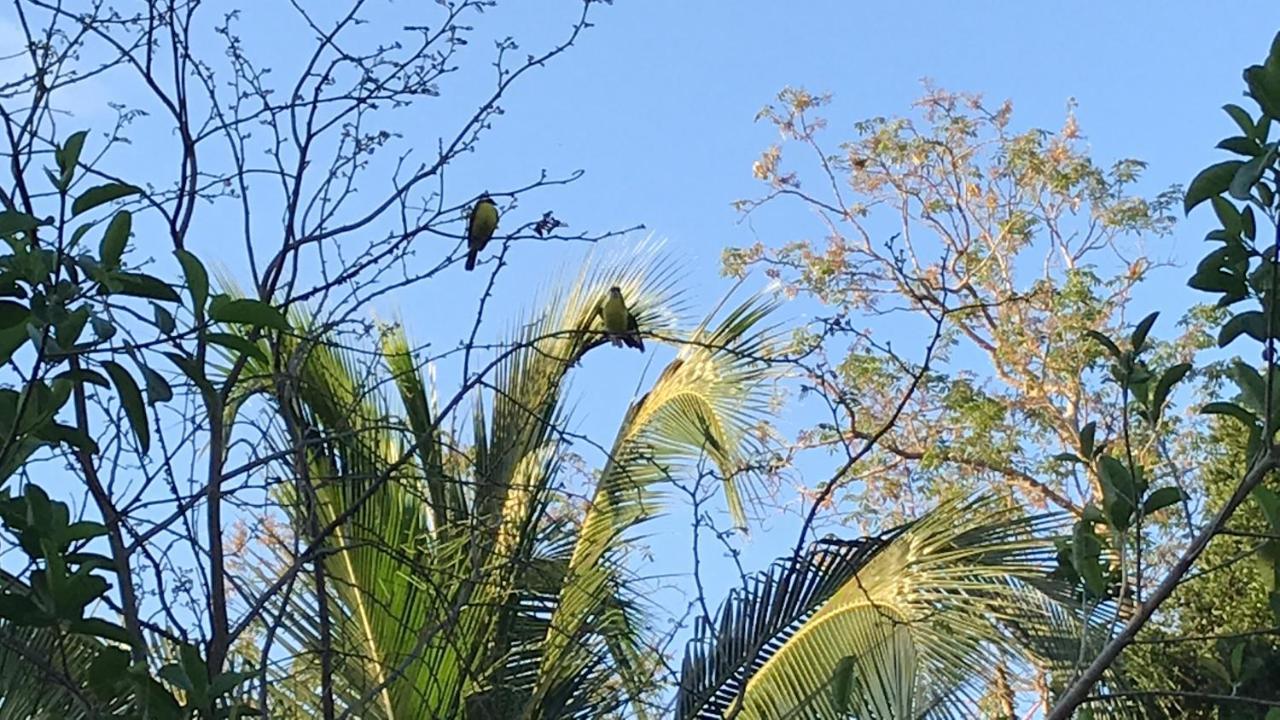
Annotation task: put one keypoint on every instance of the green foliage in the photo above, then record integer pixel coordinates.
(55, 287)
(1217, 635)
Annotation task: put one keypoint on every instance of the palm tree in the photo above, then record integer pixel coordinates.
(449, 588)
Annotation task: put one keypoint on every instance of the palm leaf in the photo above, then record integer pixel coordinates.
(768, 610)
(911, 630)
(703, 406)
(42, 674)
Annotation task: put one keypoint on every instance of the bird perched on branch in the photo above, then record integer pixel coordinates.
(619, 324)
(480, 227)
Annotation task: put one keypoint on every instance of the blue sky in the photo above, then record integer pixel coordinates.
(656, 104)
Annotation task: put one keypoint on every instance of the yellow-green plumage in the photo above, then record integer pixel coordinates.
(619, 324)
(484, 220)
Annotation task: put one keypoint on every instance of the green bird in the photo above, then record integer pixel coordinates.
(480, 227)
(619, 324)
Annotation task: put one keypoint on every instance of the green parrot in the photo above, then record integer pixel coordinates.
(480, 227)
(619, 324)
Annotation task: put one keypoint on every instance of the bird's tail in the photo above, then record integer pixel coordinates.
(471, 261)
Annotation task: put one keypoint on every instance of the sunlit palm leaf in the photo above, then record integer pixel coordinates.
(912, 633)
(756, 619)
(702, 406)
(446, 498)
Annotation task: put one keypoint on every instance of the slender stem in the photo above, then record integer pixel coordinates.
(110, 518)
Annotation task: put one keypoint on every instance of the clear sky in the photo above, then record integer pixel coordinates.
(656, 104)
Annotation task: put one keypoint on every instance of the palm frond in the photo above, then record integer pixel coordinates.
(42, 673)
(757, 619)
(446, 498)
(702, 406)
(911, 631)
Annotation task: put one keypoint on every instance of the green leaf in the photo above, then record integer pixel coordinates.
(191, 369)
(249, 312)
(1087, 438)
(195, 668)
(197, 280)
(107, 670)
(1085, 550)
(12, 222)
(163, 319)
(1168, 379)
(1118, 484)
(1215, 280)
(1241, 145)
(1251, 322)
(144, 286)
(84, 376)
(73, 436)
(1215, 666)
(131, 399)
(228, 681)
(1253, 389)
(12, 314)
(1106, 342)
(173, 674)
(100, 194)
(103, 328)
(1069, 457)
(1248, 175)
(1162, 498)
(98, 627)
(69, 330)
(20, 610)
(1269, 501)
(72, 596)
(842, 685)
(114, 239)
(1232, 410)
(1227, 214)
(158, 703)
(68, 155)
(1248, 225)
(239, 344)
(1242, 117)
(1143, 329)
(1213, 180)
(1261, 81)
(158, 389)
(83, 530)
